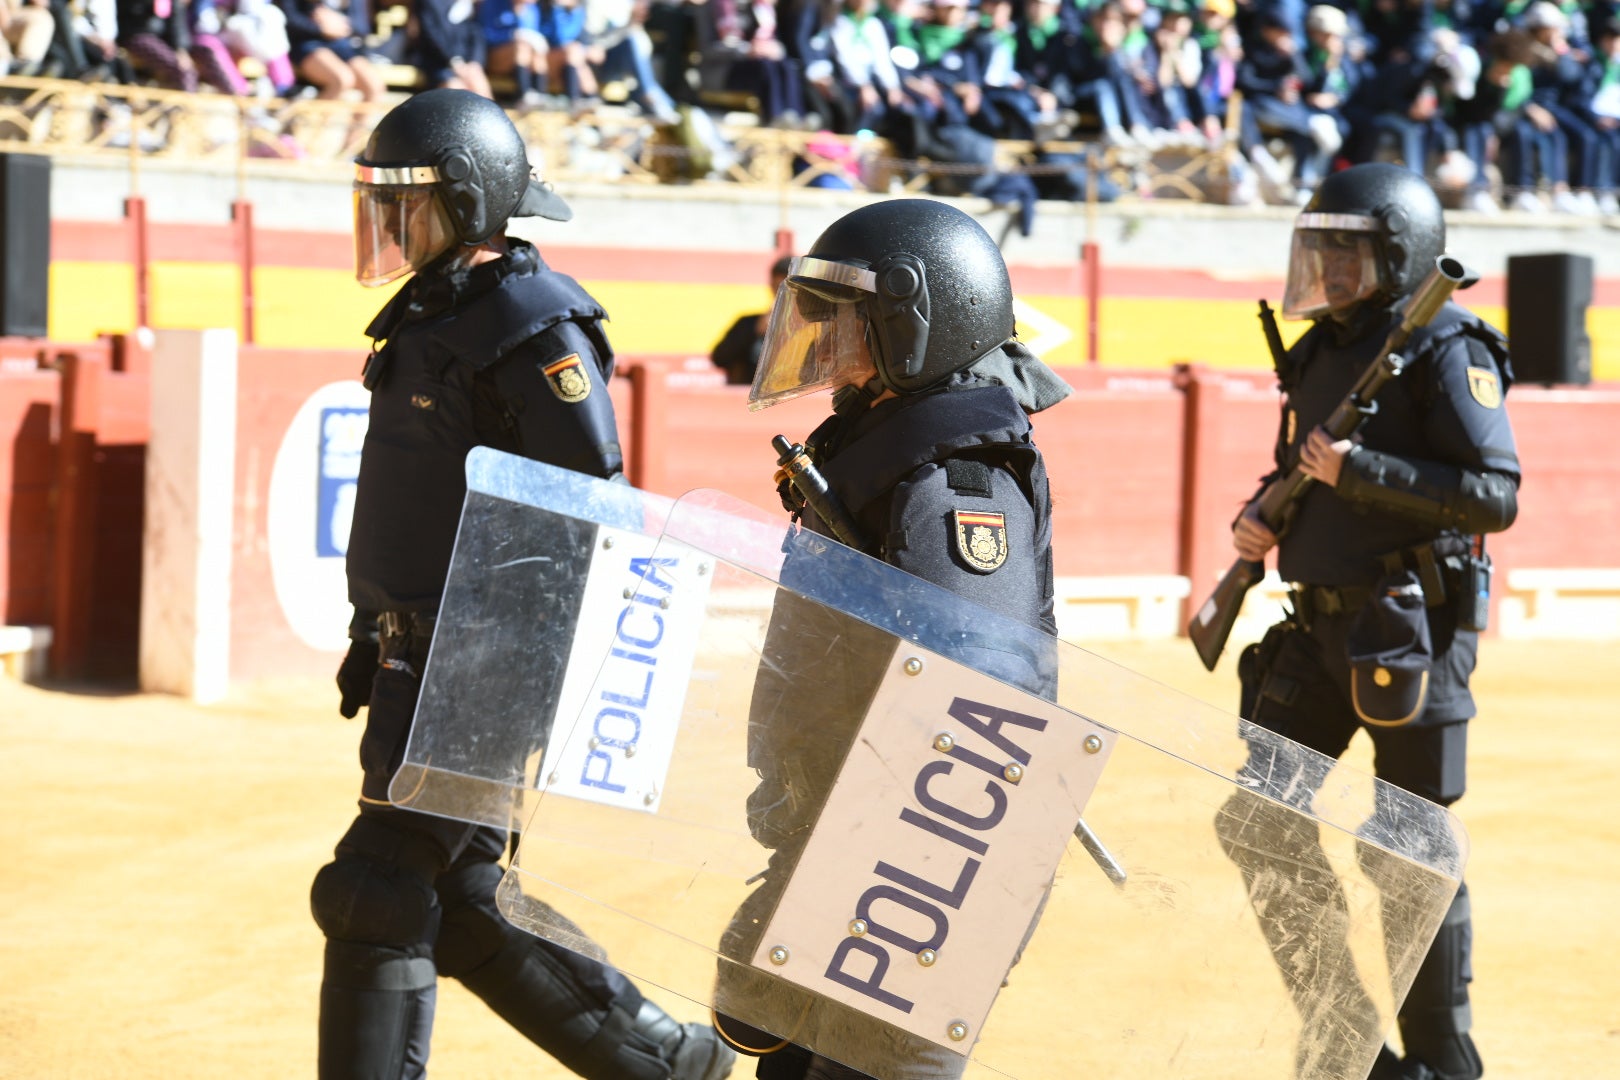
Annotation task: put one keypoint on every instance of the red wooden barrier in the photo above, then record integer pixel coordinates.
(28, 399)
(1147, 471)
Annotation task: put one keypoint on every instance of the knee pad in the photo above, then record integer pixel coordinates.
(358, 900)
(1438, 1000)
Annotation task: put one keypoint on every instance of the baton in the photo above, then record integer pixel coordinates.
(1104, 858)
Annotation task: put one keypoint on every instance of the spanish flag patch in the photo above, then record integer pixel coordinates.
(981, 539)
(568, 379)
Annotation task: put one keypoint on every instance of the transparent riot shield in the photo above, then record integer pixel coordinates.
(926, 841)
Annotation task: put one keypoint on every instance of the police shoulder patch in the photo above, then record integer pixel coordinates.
(568, 379)
(1485, 387)
(981, 539)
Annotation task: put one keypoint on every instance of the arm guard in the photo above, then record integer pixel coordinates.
(1429, 492)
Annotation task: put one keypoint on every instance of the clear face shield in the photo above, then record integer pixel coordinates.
(1334, 265)
(400, 224)
(817, 334)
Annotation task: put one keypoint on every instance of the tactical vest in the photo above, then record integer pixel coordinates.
(424, 421)
(866, 467)
(1332, 542)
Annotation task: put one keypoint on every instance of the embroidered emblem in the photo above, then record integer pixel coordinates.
(568, 379)
(981, 539)
(424, 401)
(1483, 384)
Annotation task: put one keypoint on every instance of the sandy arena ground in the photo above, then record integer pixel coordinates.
(157, 858)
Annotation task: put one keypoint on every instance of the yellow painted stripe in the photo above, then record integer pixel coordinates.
(327, 309)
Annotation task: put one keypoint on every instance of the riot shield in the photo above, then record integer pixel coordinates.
(926, 841)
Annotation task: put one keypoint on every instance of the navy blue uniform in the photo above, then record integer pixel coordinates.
(1433, 468)
(509, 354)
(949, 486)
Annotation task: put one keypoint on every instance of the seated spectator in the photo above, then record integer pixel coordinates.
(1487, 118)
(85, 45)
(517, 49)
(1014, 108)
(947, 62)
(1180, 66)
(1600, 105)
(568, 64)
(751, 58)
(1534, 148)
(851, 79)
(328, 47)
(1057, 53)
(737, 351)
(1222, 52)
(1333, 75)
(26, 29)
(1108, 78)
(621, 52)
(1272, 77)
(216, 66)
(157, 36)
(257, 30)
(1557, 92)
(449, 46)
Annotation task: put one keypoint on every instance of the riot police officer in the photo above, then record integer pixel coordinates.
(484, 346)
(1384, 554)
(903, 308)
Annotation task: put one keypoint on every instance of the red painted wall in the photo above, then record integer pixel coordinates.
(1147, 471)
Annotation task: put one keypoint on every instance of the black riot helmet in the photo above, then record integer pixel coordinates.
(442, 168)
(906, 291)
(1370, 233)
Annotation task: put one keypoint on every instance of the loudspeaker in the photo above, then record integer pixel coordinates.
(1547, 297)
(25, 244)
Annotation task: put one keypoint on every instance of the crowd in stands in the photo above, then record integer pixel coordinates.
(1513, 102)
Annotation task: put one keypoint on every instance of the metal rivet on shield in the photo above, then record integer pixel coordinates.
(927, 957)
(650, 798)
(1014, 772)
(913, 666)
(607, 541)
(779, 955)
(857, 927)
(943, 742)
(595, 743)
(628, 593)
(957, 1031)
(552, 779)
(1093, 744)
(703, 568)
(664, 603)
(630, 751)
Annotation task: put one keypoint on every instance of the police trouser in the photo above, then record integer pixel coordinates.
(1296, 683)
(411, 896)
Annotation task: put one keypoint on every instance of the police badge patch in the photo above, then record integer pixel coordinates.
(1483, 384)
(568, 379)
(981, 539)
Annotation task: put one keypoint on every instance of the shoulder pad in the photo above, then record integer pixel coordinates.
(505, 317)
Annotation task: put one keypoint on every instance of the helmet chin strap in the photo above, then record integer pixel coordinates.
(854, 398)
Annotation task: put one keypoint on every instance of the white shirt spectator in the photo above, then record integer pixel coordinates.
(862, 51)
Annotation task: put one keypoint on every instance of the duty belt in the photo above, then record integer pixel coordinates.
(1310, 600)
(399, 624)
(405, 636)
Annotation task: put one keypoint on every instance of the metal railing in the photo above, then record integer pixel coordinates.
(601, 144)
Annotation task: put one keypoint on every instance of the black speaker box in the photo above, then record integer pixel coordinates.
(25, 244)
(1547, 298)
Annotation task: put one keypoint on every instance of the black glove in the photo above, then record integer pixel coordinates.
(355, 676)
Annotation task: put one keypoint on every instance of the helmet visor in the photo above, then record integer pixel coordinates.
(1334, 264)
(398, 228)
(816, 339)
